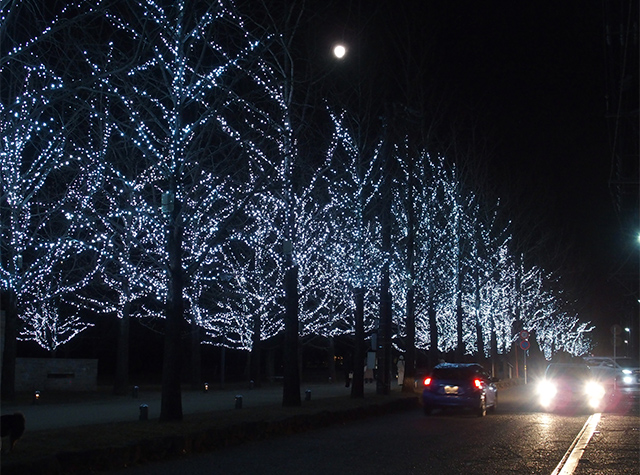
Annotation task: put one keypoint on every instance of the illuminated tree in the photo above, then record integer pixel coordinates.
(280, 81)
(45, 323)
(256, 270)
(488, 258)
(421, 274)
(40, 175)
(455, 230)
(179, 106)
(130, 274)
(354, 248)
(547, 314)
(293, 132)
(407, 207)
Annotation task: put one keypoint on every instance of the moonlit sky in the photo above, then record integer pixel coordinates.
(532, 77)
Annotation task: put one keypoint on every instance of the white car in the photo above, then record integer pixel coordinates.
(621, 375)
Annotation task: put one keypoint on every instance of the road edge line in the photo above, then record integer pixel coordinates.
(569, 461)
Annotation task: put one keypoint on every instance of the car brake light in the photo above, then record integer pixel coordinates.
(477, 383)
(427, 381)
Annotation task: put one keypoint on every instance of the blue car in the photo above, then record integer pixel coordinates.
(459, 385)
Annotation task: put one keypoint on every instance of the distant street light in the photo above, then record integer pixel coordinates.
(628, 340)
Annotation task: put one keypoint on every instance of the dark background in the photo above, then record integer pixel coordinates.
(537, 84)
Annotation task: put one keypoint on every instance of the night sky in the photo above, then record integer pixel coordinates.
(531, 75)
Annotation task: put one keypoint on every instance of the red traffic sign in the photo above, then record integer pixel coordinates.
(524, 335)
(525, 345)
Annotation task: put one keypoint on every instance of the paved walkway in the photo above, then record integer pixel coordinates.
(49, 415)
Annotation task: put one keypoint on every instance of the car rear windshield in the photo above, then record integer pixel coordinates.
(454, 373)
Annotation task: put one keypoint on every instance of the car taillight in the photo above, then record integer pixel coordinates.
(477, 383)
(427, 381)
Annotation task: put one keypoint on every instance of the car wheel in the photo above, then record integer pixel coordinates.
(482, 410)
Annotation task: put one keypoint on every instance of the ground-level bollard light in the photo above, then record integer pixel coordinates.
(206, 387)
(307, 395)
(239, 401)
(144, 412)
(135, 391)
(36, 397)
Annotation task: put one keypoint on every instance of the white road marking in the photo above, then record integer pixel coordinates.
(569, 462)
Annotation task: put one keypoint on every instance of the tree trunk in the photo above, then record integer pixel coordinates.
(410, 323)
(3, 321)
(121, 383)
(10, 348)
(410, 359)
(256, 347)
(494, 349)
(357, 384)
(171, 403)
(384, 338)
(479, 334)
(459, 329)
(383, 380)
(434, 355)
(196, 356)
(383, 385)
(223, 365)
(271, 365)
(291, 383)
(331, 359)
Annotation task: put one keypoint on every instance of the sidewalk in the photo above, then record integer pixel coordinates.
(109, 408)
(104, 432)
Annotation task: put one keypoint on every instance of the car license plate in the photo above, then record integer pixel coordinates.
(451, 389)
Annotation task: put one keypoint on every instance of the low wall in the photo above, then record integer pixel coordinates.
(62, 374)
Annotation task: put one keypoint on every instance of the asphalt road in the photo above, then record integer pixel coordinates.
(516, 439)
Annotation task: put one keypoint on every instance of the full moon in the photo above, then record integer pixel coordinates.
(339, 51)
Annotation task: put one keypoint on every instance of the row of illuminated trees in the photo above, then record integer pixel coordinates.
(169, 164)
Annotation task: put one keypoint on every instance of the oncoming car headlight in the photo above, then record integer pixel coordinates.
(547, 388)
(546, 392)
(627, 377)
(594, 393)
(594, 390)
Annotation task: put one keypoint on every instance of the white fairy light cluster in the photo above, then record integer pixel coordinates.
(43, 248)
(174, 157)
